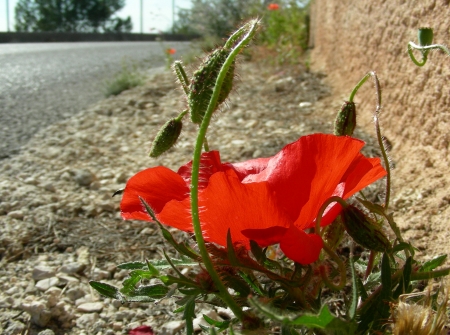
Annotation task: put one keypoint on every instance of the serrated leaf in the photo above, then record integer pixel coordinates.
(106, 290)
(149, 210)
(156, 291)
(132, 266)
(163, 264)
(140, 298)
(180, 247)
(433, 263)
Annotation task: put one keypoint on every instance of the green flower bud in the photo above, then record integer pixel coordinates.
(166, 137)
(425, 36)
(203, 82)
(345, 122)
(363, 230)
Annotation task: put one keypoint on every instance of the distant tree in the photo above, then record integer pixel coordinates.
(71, 16)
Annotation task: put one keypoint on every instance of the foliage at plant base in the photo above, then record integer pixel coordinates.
(278, 239)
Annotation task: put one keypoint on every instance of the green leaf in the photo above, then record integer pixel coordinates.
(180, 247)
(107, 290)
(354, 303)
(230, 250)
(257, 252)
(374, 208)
(403, 286)
(156, 291)
(402, 246)
(169, 280)
(189, 315)
(132, 266)
(222, 325)
(433, 263)
(163, 264)
(386, 279)
(288, 330)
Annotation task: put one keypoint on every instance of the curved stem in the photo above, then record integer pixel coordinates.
(224, 294)
(341, 269)
(324, 207)
(425, 50)
(357, 87)
(380, 140)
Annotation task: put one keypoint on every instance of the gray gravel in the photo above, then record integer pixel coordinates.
(41, 83)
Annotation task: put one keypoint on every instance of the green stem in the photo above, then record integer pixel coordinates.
(430, 275)
(322, 210)
(341, 269)
(224, 294)
(425, 50)
(380, 140)
(357, 87)
(206, 145)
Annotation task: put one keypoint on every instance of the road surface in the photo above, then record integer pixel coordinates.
(41, 83)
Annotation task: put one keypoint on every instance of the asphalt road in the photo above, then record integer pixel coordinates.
(41, 83)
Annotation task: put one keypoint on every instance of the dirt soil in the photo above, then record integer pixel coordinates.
(56, 205)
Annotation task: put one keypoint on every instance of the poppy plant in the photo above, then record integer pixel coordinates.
(269, 200)
(170, 51)
(273, 6)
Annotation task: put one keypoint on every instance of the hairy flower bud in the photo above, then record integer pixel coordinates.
(203, 82)
(425, 36)
(363, 230)
(345, 122)
(166, 137)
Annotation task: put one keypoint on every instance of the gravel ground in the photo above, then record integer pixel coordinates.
(61, 228)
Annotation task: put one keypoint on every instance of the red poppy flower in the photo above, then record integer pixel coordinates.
(141, 330)
(268, 200)
(170, 51)
(273, 6)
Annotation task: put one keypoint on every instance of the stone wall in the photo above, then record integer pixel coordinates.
(350, 38)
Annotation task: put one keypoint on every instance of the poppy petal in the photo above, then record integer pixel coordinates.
(301, 247)
(265, 237)
(156, 186)
(209, 164)
(305, 173)
(225, 204)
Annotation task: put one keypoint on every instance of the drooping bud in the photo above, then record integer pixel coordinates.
(203, 82)
(425, 36)
(345, 122)
(363, 230)
(333, 233)
(167, 136)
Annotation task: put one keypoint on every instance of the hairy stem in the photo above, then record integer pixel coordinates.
(223, 291)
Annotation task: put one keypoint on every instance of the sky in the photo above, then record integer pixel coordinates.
(157, 14)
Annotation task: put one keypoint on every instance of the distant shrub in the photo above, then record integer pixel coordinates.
(127, 78)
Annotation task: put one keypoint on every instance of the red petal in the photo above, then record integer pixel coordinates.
(305, 173)
(156, 186)
(301, 247)
(253, 166)
(228, 204)
(265, 237)
(141, 330)
(209, 164)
